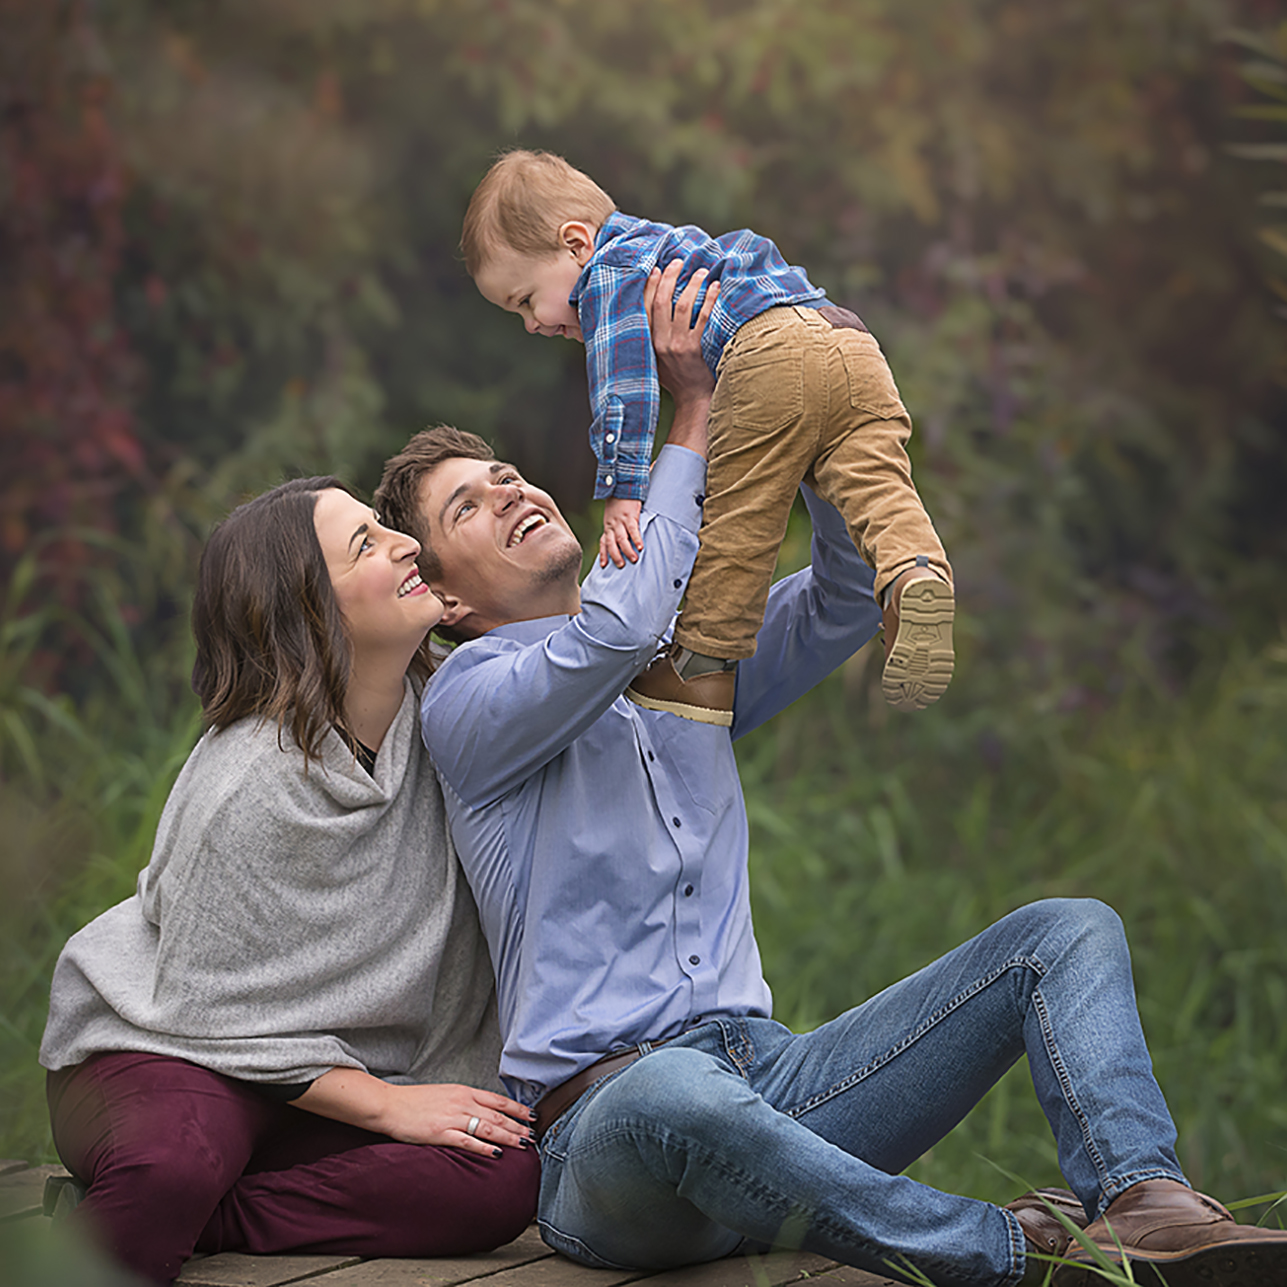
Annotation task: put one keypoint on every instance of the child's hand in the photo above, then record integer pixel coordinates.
(620, 539)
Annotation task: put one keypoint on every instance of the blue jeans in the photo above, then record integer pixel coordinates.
(740, 1129)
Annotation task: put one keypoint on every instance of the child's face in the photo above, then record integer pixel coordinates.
(536, 287)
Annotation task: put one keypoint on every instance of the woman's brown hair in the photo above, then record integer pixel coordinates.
(270, 637)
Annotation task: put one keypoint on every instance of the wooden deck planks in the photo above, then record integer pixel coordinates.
(525, 1262)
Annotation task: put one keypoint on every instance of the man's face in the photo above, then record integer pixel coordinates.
(536, 288)
(506, 552)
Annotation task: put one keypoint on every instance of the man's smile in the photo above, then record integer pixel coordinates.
(525, 525)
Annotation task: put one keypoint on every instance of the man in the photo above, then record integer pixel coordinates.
(606, 846)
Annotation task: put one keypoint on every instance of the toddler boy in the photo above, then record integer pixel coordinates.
(802, 394)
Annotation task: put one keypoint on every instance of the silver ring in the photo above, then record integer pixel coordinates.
(474, 1124)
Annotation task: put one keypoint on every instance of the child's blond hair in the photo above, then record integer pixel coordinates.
(522, 202)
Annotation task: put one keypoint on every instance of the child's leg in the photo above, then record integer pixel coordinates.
(863, 469)
(764, 435)
(862, 466)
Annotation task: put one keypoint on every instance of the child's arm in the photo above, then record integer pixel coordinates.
(620, 539)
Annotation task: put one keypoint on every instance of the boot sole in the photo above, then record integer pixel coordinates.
(702, 714)
(1235, 1264)
(920, 664)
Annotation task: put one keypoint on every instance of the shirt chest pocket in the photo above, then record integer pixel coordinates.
(693, 762)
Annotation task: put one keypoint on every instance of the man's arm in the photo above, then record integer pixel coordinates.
(815, 621)
(496, 712)
(491, 718)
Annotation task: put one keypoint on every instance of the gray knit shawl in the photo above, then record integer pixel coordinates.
(289, 923)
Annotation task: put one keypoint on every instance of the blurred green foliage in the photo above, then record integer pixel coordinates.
(228, 253)
(1033, 205)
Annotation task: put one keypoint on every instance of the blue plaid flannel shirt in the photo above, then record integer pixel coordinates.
(624, 394)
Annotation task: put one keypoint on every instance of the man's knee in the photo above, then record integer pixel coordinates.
(683, 1091)
(1081, 917)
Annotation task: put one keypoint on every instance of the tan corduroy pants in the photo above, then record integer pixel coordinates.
(799, 399)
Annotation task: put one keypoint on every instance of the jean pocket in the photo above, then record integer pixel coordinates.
(766, 393)
(871, 382)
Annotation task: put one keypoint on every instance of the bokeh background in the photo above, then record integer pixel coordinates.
(228, 255)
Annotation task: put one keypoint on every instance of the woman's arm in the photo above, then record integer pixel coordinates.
(437, 1114)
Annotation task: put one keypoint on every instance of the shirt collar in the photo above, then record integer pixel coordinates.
(613, 226)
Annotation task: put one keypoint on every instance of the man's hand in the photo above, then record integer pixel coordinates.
(621, 539)
(680, 365)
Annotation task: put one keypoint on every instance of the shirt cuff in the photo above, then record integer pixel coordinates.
(677, 487)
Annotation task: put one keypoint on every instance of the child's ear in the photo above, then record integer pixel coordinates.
(579, 238)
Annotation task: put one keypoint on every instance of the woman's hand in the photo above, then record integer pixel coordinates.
(436, 1114)
(678, 340)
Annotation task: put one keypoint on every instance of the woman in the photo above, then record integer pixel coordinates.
(275, 1044)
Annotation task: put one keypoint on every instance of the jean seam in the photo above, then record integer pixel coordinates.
(1051, 1047)
(1018, 1247)
(585, 1249)
(876, 1064)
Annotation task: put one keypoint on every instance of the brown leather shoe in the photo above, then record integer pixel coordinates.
(1043, 1232)
(918, 641)
(708, 698)
(1174, 1236)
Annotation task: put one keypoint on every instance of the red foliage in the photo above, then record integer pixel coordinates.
(67, 374)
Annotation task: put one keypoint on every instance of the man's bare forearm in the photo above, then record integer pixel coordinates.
(689, 428)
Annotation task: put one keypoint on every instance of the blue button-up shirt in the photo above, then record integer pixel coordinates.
(606, 844)
(619, 357)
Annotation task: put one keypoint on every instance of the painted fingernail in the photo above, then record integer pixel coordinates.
(496, 1152)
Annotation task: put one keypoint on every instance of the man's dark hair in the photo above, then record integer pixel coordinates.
(397, 499)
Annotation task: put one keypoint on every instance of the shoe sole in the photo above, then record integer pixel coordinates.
(1235, 1264)
(702, 714)
(920, 664)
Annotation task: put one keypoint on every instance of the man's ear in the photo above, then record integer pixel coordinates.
(579, 238)
(453, 610)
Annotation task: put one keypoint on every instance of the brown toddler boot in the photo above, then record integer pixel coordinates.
(1175, 1236)
(706, 698)
(918, 611)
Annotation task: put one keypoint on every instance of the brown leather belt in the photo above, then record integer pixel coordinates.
(553, 1104)
(841, 317)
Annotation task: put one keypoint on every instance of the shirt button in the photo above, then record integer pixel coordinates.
(677, 822)
(612, 437)
(607, 480)
(678, 584)
(688, 891)
(651, 756)
(701, 500)
(694, 960)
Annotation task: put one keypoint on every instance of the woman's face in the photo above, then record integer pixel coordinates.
(373, 572)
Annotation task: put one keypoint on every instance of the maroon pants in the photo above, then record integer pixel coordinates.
(179, 1159)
